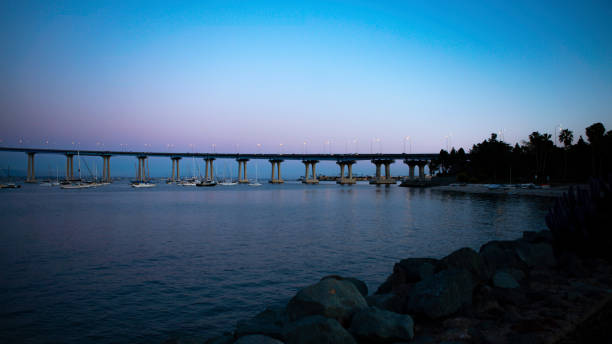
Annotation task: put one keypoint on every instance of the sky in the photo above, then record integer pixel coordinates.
(314, 76)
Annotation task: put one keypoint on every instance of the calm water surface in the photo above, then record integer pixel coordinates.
(115, 264)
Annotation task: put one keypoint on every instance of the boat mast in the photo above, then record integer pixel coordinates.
(79, 159)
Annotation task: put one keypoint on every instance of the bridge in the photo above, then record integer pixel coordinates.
(344, 161)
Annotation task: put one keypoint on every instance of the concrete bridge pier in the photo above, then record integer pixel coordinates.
(411, 164)
(349, 166)
(422, 165)
(31, 174)
(143, 171)
(242, 172)
(209, 164)
(386, 179)
(69, 166)
(276, 163)
(176, 173)
(106, 169)
(307, 164)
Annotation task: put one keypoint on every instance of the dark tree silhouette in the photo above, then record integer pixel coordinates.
(541, 146)
(595, 134)
(495, 160)
(566, 137)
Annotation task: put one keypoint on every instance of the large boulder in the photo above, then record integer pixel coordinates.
(442, 294)
(538, 237)
(374, 325)
(538, 255)
(225, 339)
(332, 298)
(468, 259)
(390, 302)
(360, 285)
(498, 255)
(502, 279)
(257, 339)
(409, 270)
(317, 329)
(270, 322)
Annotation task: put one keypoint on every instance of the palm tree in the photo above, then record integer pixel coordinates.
(540, 145)
(566, 137)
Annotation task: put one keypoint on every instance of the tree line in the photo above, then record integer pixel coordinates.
(536, 160)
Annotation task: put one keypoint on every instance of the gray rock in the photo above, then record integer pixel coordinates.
(360, 285)
(417, 269)
(410, 270)
(502, 279)
(424, 339)
(538, 237)
(536, 255)
(270, 322)
(518, 274)
(332, 298)
(513, 297)
(257, 339)
(375, 325)
(468, 259)
(498, 255)
(317, 329)
(442, 294)
(386, 287)
(390, 302)
(226, 339)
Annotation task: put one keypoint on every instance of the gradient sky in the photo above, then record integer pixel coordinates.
(247, 72)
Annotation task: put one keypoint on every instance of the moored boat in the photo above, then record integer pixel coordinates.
(207, 183)
(142, 185)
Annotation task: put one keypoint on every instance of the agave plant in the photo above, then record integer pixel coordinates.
(581, 220)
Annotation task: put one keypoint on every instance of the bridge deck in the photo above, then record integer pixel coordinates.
(338, 157)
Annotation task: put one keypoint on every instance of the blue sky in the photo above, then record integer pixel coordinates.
(237, 73)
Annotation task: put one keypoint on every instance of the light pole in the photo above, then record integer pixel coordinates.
(304, 147)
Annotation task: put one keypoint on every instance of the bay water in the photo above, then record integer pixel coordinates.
(117, 264)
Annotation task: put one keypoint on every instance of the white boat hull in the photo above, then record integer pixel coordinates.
(143, 185)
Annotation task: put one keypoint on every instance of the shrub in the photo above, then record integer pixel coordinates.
(581, 221)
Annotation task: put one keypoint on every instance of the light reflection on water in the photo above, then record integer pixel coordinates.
(115, 264)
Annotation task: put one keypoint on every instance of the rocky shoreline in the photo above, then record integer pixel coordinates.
(509, 292)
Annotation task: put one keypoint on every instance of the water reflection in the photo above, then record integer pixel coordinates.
(141, 264)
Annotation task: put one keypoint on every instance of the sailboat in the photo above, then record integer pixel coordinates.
(47, 182)
(227, 182)
(9, 185)
(79, 184)
(255, 182)
(57, 181)
(144, 183)
(191, 181)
